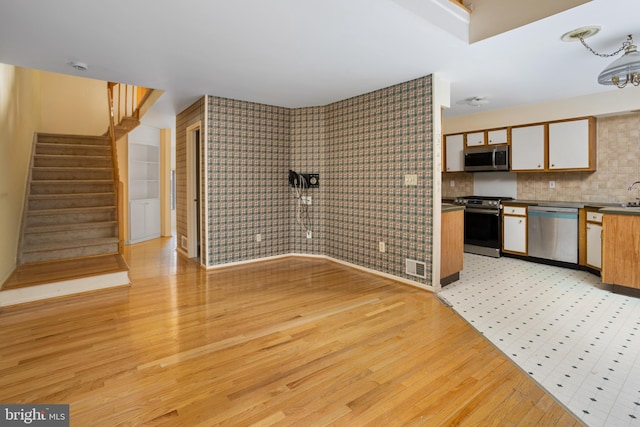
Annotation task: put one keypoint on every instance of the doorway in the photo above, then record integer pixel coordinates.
(193, 191)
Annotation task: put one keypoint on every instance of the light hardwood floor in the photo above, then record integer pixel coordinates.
(296, 341)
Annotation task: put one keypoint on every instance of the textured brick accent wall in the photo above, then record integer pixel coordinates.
(618, 146)
(361, 147)
(308, 135)
(248, 157)
(373, 140)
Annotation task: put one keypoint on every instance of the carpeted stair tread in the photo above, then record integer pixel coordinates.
(69, 195)
(70, 244)
(69, 210)
(63, 227)
(52, 138)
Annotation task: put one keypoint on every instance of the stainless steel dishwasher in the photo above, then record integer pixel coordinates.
(553, 233)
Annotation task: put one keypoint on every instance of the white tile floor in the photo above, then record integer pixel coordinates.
(576, 339)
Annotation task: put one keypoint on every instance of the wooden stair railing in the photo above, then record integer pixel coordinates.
(117, 187)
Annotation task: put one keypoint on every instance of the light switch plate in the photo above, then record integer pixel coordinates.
(411, 180)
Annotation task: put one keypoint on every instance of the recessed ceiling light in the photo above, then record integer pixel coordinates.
(80, 66)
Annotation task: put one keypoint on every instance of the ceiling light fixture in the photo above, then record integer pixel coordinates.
(475, 101)
(80, 66)
(620, 72)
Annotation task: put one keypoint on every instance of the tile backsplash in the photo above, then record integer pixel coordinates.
(618, 151)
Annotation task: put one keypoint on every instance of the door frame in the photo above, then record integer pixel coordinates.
(192, 214)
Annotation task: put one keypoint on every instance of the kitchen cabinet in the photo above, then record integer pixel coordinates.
(144, 192)
(144, 220)
(475, 139)
(621, 249)
(451, 244)
(566, 145)
(528, 148)
(497, 136)
(453, 154)
(594, 239)
(572, 145)
(514, 229)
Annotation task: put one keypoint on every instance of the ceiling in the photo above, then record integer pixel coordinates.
(296, 53)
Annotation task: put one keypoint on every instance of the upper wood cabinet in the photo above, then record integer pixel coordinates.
(453, 153)
(572, 145)
(475, 139)
(497, 136)
(528, 148)
(564, 145)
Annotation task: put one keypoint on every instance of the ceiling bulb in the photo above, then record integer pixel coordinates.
(620, 72)
(80, 66)
(476, 101)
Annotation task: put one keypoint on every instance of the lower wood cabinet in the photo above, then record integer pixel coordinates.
(451, 245)
(621, 250)
(514, 229)
(593, 236)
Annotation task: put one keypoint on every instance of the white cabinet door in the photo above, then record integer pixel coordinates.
(594, 245)
(475, 139)
(497, 136)
(569, 145)
(453, 145)
(144, 220)
(527, 148)
(514, 234)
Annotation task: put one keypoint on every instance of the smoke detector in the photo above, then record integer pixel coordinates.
(80, 66)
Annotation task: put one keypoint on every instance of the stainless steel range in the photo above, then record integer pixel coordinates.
(482, 224)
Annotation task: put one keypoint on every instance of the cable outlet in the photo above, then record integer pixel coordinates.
(552, 184)
(382, 247)
(309, 234)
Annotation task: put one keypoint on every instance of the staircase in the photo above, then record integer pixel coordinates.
(71, 207)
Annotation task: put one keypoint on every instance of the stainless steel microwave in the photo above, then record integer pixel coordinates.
(486, 159)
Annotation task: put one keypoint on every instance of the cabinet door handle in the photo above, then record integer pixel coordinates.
(520, 222)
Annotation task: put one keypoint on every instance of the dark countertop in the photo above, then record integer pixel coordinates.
(448, 207)
(605, 208)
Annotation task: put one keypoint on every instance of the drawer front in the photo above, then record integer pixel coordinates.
(515, 210)
(594, 217)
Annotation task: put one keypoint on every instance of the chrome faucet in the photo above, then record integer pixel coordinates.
(632, 184)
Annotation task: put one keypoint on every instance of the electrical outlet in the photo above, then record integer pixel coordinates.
(309, 234)
(411, 180)
(305, 200)
(452, 183)
(258, 237)
(552, 184)
(382, 247)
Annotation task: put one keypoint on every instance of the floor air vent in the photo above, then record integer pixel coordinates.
(416, 268)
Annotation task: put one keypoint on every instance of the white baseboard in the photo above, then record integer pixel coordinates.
(328, 258)
(63, 288)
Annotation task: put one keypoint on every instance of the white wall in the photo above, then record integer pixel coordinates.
(612, 101)
(73, 105)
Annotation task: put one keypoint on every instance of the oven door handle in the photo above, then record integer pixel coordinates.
(483, 211)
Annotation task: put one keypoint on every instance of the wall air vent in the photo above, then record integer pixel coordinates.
(184, 242)
(416, 268)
